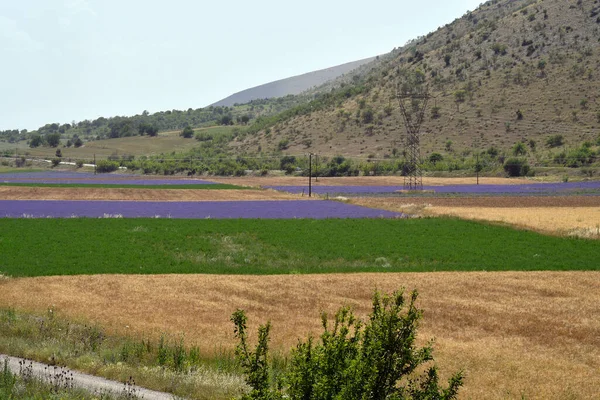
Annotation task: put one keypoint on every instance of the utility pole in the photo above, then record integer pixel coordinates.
(94, 163)
(418, 103)
(309, 174)
(477, 168)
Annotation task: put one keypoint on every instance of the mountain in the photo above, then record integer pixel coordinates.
(510, 71)
(294, 85)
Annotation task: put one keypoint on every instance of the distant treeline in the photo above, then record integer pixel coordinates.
(152, 124)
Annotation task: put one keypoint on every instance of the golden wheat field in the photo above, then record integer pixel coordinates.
(530, 334)
(559, 215)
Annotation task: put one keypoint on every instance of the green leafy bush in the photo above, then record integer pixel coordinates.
(376, 359)
(516, 167)
(106, 166)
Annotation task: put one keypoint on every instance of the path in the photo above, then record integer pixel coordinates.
(88, 382)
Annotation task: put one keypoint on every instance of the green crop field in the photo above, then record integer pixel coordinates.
(210, 186)
(35, 247)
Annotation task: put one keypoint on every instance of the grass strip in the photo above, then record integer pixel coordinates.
(167, 364)
(209, 186)
(39, 247)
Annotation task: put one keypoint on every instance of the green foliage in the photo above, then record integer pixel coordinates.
(187, 132)
(499, 49)
(519, 149)
(103, 166)
(578, 157)
(367, 116)
(283, 144)
(53, 139)
(78, 142)
(435, 158)
(35, 141)
(376, 359)
(555, 141)
(516, 167)
(55, 162)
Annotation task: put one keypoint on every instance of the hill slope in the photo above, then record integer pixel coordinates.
(294, 85)
(510, 71)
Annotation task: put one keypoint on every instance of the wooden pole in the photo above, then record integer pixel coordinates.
(309, 174)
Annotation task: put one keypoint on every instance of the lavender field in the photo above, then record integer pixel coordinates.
(54, 177)
(286, 209)
(589, 187)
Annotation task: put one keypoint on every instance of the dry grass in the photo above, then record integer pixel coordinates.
(561, 215)
(535, 334)
(360, 181)
(580, 221)
(492, 202)
(49, 193)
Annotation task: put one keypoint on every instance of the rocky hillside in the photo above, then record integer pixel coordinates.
(294, 85)
(510, 71)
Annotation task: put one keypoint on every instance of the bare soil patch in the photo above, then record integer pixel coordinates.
(50, 193)
(359, 181)
(530, 334)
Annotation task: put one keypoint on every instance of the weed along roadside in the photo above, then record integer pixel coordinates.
(62, 379)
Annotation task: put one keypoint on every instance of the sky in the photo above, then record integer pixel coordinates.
(71, 60)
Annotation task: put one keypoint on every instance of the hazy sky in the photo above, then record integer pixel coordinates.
(64, 60)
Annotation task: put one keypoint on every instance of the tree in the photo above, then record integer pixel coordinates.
(53, 139)
(245, 119)
(152, 130)
(78, 142)
(516, 167)
(35, 141)
(58, 153)
(447, 58)
(435, 158)
(376, 359)
(187, 132)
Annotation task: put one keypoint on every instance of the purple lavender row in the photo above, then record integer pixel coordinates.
(50, 177)
(104, 181)
(54, 175)
(528, 188)
(276, 209)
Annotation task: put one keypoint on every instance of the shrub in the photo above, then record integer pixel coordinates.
(55, 161)
(106, 166)
(283, 144)
(79, 163)
(435, 157)
(519, 149)
(376, 359)
(187, 132)
(516, 167)
(555, 141)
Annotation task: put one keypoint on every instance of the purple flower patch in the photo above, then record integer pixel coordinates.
(282, 209)
(87, 178)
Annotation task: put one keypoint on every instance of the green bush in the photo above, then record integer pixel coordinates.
(555, 141)
(106, 166)
(376, 359)
(516, 167)
(55, 162)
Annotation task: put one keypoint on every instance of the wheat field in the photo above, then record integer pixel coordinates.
(515, 334)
